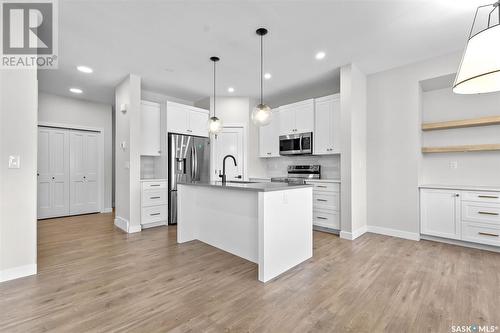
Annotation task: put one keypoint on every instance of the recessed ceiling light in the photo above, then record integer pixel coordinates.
(267, 76)
(85, 69)
(230, 89)
(76, 90)
(320, 55)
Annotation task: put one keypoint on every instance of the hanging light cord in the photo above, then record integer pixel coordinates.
(495, 5)
(261, 70)
(214, 88)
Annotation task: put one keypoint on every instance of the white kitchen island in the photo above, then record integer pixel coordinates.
(266, 223)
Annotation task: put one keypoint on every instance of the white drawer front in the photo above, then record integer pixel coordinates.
(481, 212)
(492, 197)
(326, 219)
(154, 214)
(325, 187)
(154, 197)
(480, 233)
(154, 185)
(326, 200)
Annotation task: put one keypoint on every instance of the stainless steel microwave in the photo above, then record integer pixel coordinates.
(296, 144)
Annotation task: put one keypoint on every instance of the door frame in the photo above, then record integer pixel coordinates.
(99, 130)
(245, 150)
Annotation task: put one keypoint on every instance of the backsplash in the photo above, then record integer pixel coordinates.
(330, 165)
(147, 167)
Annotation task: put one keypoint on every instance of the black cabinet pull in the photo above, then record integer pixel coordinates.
(154, 214)
(154, 197)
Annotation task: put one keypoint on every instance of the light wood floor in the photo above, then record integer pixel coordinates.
(94, 278)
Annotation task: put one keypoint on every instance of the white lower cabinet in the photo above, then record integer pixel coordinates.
(472, 216)
(326, 204)
(154, 199)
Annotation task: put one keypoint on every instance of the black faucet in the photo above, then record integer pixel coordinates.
(223, 176)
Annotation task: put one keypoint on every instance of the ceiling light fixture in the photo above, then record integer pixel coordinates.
(320, 55)
(230, 89)
(479, 71)
(214, 123)
(261, 114)
(267, 76)
(76, 90)
(85, 69)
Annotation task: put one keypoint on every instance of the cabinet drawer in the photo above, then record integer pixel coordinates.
(154, 185)
(325, 187)
(326, 200)
(480, 233)
(326, 219)
(154, 197)
(154, 214)
(492, 197)
(481, 212)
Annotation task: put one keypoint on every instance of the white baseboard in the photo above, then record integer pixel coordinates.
(17, 272)
(124, 225)
(353, 235)
(394, 232)
(461, 243)
(107, 210)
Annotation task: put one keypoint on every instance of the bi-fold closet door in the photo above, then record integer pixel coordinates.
(68, 172)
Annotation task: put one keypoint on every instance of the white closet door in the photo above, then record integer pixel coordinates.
(84, 170)
(53, 172)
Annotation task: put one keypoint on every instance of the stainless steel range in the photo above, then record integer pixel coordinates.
(298, 174)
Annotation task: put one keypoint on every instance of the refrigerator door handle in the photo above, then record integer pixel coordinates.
(196, 171)
(193, 163)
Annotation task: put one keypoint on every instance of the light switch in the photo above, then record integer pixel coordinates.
(14, 162)
(453, 165)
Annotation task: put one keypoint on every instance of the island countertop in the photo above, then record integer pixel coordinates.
(248, 186)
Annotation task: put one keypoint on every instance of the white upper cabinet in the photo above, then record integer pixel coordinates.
(297, 118)
(185, 119)
(269, 137)
(327, 125)
(150, 129)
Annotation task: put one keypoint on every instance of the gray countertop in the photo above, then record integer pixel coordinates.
(257, 187)
(461, 187)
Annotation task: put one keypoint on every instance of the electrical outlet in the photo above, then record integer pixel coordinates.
(14, 162)
(453, 165)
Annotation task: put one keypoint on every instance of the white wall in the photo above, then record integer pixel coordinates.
(354, 150)
(394, 140)
(18, 187)
(478, 168)
(127, 160)
(71, 111)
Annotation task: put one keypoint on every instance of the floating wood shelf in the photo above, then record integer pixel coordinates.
(483, 121)
(465, 148)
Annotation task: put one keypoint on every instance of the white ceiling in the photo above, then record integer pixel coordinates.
(168, 43)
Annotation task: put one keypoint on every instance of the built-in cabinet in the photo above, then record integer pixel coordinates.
(320, 116)
(326, 125)
(296, 118)
(188, 120)
(472, 216)
(154, 199)
(69, 172)
(150, 129)
(326, 204)
(269, 138)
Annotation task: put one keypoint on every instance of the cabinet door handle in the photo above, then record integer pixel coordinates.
(154, 185)
(321, 218)
(154, 197)
(322, 186)
(321, 200)
(154, 214)
(488, 234)
(487, 213)
(488, 196)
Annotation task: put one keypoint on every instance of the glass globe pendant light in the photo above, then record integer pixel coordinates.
(214, 123)
(479, 71)
(261, 114)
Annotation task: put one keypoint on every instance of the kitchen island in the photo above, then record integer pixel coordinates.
(266, 223)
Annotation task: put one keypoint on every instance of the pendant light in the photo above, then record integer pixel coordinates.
(479, 71)
(214, 123)
(261, 114)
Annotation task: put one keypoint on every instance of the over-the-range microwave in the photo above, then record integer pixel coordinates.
(296, 144)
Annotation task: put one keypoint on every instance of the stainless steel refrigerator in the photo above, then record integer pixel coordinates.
(188, 160)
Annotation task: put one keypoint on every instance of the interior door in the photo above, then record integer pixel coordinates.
(53, 172)
(229, 142)
(84, 171)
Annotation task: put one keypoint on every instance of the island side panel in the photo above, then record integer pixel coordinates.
(285, 230)
(221, 217)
